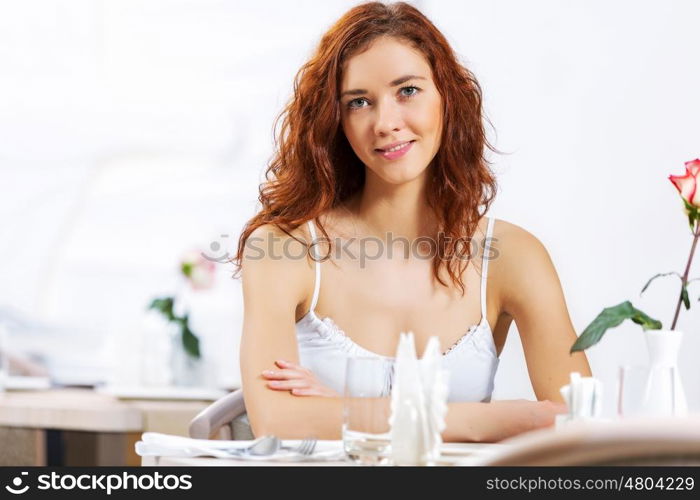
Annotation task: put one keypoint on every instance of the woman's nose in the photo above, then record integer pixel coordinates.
(388, 118)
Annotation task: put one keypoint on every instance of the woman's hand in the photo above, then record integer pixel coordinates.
(544, 412)
(498, 420)
(296, 379)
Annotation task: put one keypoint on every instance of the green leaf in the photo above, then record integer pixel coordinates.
(611, 317)
(686, 299)
(189, 340)
(658, 276)
(165, 306)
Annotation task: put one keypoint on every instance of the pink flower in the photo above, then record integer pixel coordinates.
(687, 184)
(198, 270)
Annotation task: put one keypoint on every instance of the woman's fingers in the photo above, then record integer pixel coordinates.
(287, 371)
(290, 366)
(306, 392)
(296, 379)
(285, 385)
(283, 374)
(315, 391)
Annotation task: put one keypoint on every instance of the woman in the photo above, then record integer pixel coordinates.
(383, 145)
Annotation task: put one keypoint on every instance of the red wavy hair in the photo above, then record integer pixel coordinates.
(314, 168)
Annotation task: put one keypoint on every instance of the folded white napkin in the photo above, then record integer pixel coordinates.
(157, 444)
(418, 403)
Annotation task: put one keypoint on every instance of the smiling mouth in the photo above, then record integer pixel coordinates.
(395, 148)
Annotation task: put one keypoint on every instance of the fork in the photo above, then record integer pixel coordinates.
(307, 447)
(304, 449)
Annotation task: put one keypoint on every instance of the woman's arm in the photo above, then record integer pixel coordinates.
(273, 287)
(300, 417)
(468, 421)
(531, 293)
(275, 276)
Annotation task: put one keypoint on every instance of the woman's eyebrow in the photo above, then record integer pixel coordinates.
(394, 83)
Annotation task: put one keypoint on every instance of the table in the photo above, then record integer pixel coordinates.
(223, 462)
(454, 453)
(644, 440)
(90, 428)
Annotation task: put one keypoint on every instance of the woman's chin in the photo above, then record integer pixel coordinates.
(400, 176)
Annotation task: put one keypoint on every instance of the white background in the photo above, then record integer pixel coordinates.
(131, 131)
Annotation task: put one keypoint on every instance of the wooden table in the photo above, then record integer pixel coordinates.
(89, 427)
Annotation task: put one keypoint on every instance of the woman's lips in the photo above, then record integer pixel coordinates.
(393, 155)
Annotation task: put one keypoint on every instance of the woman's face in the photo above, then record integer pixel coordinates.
(381, 107)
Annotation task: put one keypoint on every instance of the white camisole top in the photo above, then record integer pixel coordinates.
(471, 361)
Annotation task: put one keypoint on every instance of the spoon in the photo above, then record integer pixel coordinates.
(265, 445)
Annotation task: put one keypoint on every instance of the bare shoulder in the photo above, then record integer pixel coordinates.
(520, 262)
(511, 239)
(271, 237)
(275, 262)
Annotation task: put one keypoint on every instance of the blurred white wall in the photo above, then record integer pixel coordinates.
(131, 131)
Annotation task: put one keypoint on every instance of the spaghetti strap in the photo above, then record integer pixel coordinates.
(485, 266)
(317, 284)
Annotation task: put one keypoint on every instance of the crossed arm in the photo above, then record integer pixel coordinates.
(286, 399)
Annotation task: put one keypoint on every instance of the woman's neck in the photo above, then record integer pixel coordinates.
(401, 210)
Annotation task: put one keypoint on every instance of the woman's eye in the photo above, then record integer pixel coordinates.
(350, 103)
(356, 103)
(409, 88)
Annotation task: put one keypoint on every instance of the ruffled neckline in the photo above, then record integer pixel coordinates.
(333, 331)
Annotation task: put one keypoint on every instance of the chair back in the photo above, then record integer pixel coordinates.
(225, 418)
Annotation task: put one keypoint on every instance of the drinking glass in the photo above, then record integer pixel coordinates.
(646, 391)
(366, 410)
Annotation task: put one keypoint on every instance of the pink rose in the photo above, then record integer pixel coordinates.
(687, 184)
(198, 270)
